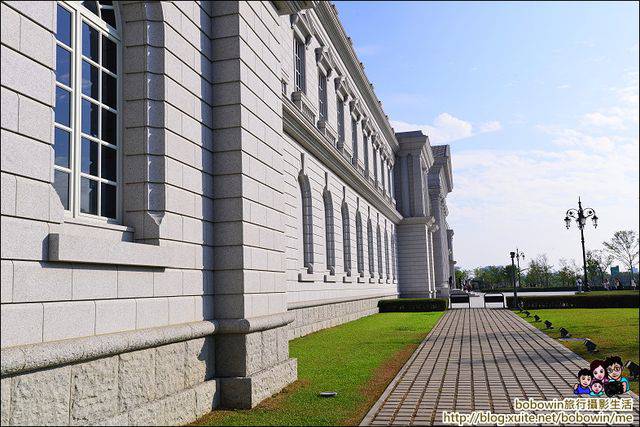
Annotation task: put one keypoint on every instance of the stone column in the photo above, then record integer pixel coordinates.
(414, 266)
(252, 352)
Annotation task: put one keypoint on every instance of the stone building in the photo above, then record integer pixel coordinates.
(186, 186)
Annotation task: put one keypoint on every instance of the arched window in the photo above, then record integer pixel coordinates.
(359, 244)
(393, 254)
(307, 222)
(372, 267)
(386, 254)
(379, 248)
(346, 238)
(87, 143)
(329, 231)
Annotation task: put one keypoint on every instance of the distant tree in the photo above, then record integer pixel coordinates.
(461, 276)
(568, 272)
(598, 263)
(624, 248)
(539, 273)
(492, 276)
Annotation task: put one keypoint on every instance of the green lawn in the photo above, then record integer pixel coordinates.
(357, 360)
(614, 330)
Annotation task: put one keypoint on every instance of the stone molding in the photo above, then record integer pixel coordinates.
(255, 324)
(87, 249)
(31, 357)
(309, 137)
(314, 303)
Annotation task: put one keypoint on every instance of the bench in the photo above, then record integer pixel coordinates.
(459, 297)
(494, 297)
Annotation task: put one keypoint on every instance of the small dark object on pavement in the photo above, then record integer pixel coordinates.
(328, 394)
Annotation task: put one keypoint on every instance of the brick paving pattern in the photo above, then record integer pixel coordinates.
(477, 359)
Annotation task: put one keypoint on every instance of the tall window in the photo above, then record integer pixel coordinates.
(322, 95)
(87, 135)
(307, 222)
(354, 141)
(359, 244)
(365, 154)
(299, 61)
(329, 232)
(340, 109)
(372, 267)
(375, 166)
(393, 254)
(346, 238)
(386, 254)
(379, 247)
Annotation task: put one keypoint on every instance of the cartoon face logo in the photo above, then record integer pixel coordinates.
(598, 370)
(585, 380)
(614, 371)
(597, 387)
(599, 373)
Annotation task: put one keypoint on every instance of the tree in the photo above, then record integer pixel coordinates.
(598, 263)
(568, 272)
(461, 276)
(492, 276)
(624, 247)
(539, 271)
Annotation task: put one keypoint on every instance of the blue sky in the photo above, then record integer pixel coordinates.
(539, 102)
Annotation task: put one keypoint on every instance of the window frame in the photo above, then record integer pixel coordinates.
(79, 15)
(323, 96)
(346, 238)
(354, 141)
(299, 65)
(306, 209)
(359, 244)
(340, 120)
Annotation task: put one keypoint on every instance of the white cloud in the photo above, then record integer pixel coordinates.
(447, 128)
(597, 119)
(489, 127)
(564, 86)
(572, 138)
(503, 199)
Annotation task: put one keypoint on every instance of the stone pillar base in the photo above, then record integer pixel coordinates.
(247, 392)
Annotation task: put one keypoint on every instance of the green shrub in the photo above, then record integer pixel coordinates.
(412, 305)
(551, 289)
(577, 301)
(546, 289)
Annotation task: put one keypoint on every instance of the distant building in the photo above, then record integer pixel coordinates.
(186, 186)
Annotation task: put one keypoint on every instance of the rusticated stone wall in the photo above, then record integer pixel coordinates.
(169, 384)
(324, 314)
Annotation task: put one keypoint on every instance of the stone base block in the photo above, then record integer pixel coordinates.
(247, 392)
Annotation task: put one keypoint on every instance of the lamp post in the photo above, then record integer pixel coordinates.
(513, 279)
(518, 256)
(580, 216)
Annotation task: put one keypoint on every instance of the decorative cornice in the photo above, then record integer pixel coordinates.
(342, 43)
(289, 7)
(313, 141)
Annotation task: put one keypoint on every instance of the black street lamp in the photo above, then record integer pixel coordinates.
(513, 279)
(518, 256)
(580, 216)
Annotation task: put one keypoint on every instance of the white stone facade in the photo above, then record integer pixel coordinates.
(245, 214)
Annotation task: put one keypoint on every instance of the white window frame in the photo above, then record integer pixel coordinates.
(81, 14)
